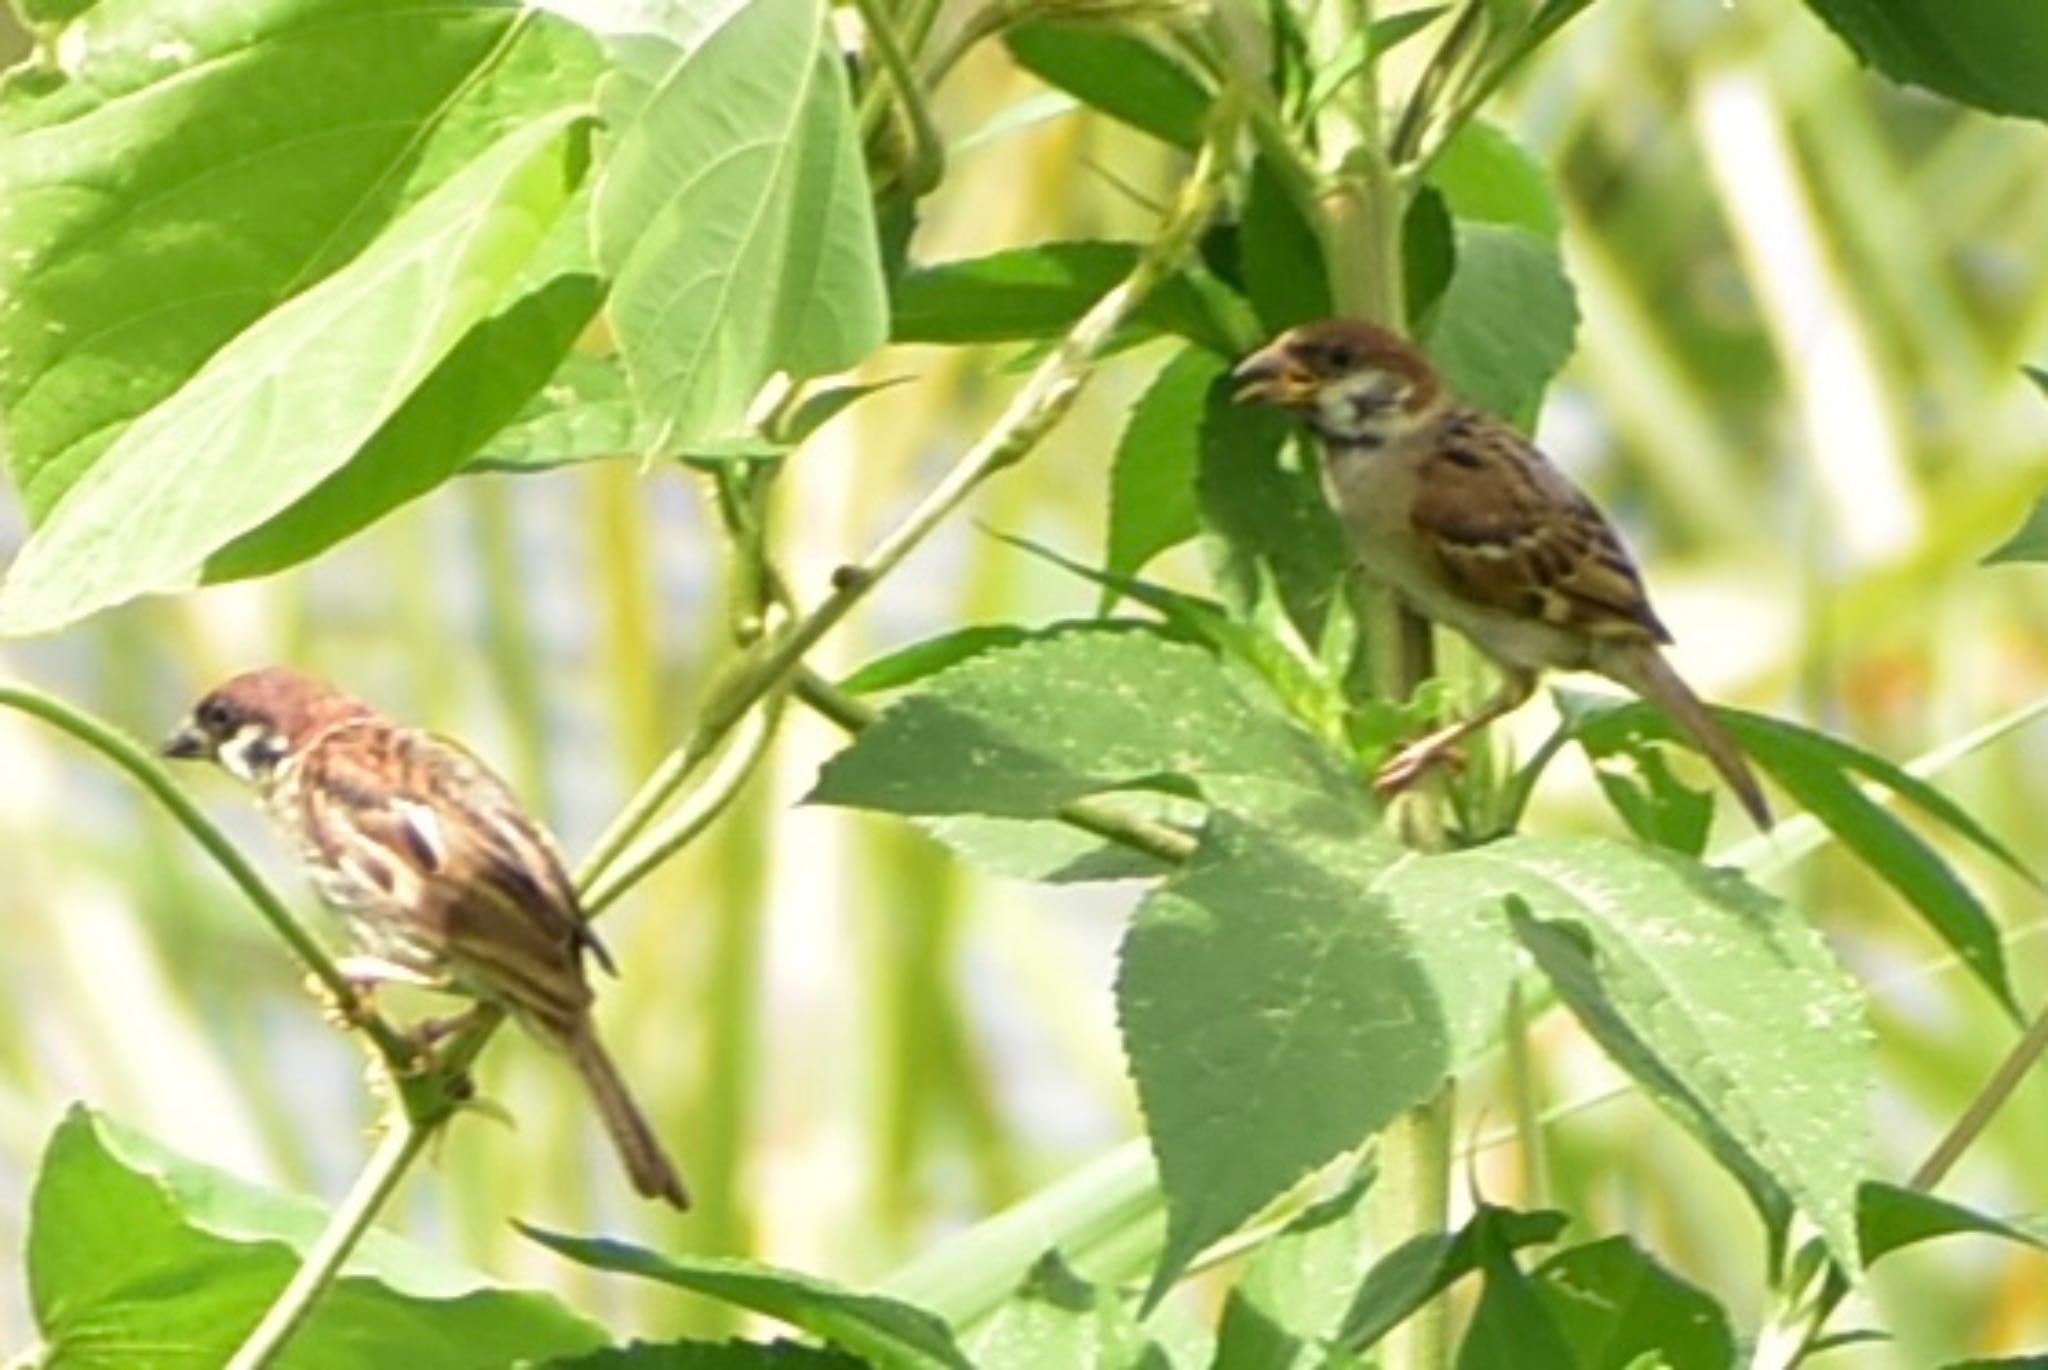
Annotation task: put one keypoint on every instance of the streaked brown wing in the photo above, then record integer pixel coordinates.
(474, 881)
(1510, 532)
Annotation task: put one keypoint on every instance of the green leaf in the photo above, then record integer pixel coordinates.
(584, 412)
(1510, 1329)
(221, 456)
(1891, 1217)
(1486, 177)
(1031, 293)
(1274, 1014)
(1017, 732)
(486, 382)
(1429, 253)
(191, 169)
(1615, 1305)
(1059, 1319)
(1294, 1294)
(704, 1355)
(1724, 1005)
(886, 1331)
(1118, 73)
(735, 219)
(908, 665)
(2028, 543)
(1504, 324)
(1424, 1266)
(1276, 538)
(139, 1259)
(1280, 255)
(1820, 772)
(1152, 478)
(1988, 54)
(1058, 853)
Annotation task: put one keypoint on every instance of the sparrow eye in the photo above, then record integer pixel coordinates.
(1340, 356)
(215, 716)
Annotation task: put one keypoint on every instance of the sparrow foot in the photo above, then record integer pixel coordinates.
(1412, 762)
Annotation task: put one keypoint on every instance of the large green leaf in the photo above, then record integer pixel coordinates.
(882, 1330)
(1722, 1003)
(194, 166)
(1616, 1307)
(1280, 255)
(1152, 477)
(1016, 732)
(1486, 177)
(1275, 1011)
(141, 1260)
(701, 1355)
(1504, 324)
(1118, 73)
(1987, 53)
(291, 400)
(735, 219)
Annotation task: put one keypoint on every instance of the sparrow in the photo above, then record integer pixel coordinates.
(438, 875)
(1466, 521)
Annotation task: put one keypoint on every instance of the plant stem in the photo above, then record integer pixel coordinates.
(927, 160)
(323, 1262)
(397, 1053)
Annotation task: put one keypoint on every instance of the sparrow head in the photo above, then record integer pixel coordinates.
(254, 722)
(1352, 380)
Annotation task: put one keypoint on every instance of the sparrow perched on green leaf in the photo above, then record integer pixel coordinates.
(438, 874)
(1474, 528)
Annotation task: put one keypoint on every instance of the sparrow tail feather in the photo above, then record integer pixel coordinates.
(649, 1167)
(1643, 669)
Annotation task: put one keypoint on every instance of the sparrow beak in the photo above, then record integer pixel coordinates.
(189, 745)
(1267, 377)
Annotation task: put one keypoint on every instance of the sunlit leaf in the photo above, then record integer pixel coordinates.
(1058, 1318)
(735, 219)
(1118, 73)
(1616, 1307)
(1505, 322)
(139, 1259)
(1152, 476)
(291, 400)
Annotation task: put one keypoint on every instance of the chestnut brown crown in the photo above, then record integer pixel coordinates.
(1340, 370)
(253, 722)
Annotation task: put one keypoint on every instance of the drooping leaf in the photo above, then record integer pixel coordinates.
(1891, 1217)
(1281, 257)
(1031, 293)
(882, 1330)
(1017, 732)
(139, 1259)
(1292, 1297)
(1723, 1005)
(1486, 177)
(1986, 54)
(2029, 541)
(1058, 1318)
(1511, 1329)
(161, 197)
(293, 399)
(1504, 324)
(1616, 1307)
(1273, 1013)
(1152, 476)
(1118, 73)
(1425, 1265)
(736, 221)
(1822, 772)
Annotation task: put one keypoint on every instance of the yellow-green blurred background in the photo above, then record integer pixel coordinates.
(1807, 297)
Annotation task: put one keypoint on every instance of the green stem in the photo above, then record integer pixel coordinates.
(324, 1260)
(397, 1053)
(927, 162)
(1030, 415)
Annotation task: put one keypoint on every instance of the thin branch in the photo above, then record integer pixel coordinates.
(397, 1053)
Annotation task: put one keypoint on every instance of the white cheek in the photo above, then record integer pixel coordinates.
(250, 754)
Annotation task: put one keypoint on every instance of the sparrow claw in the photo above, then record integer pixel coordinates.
(1411, 763)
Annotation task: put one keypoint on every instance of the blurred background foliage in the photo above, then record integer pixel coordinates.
(1807, 298)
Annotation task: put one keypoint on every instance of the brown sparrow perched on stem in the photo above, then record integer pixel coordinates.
(438, 874)
(1465, 520)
